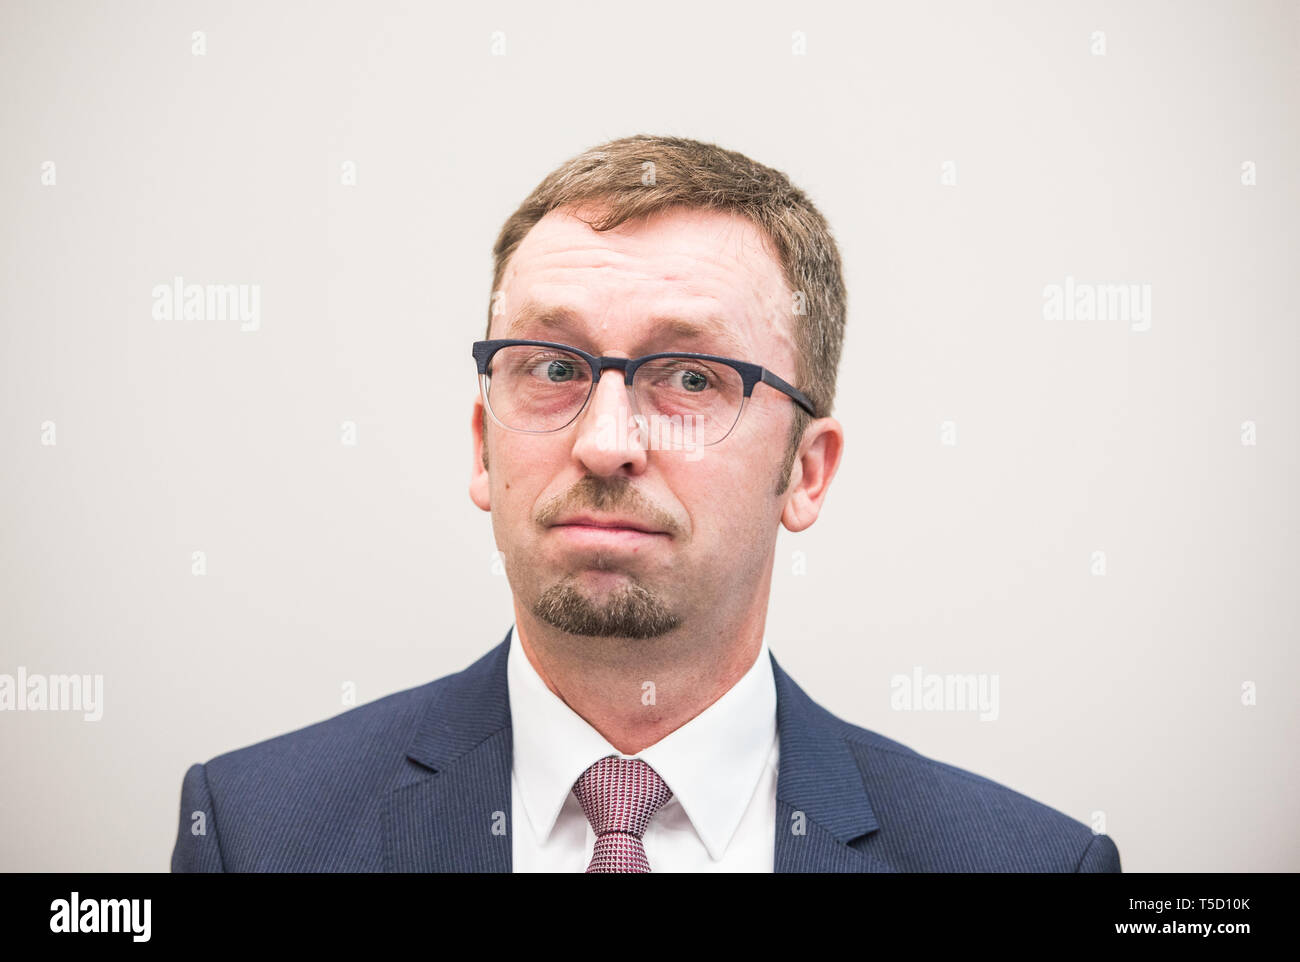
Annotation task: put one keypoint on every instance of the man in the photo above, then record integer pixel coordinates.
(655, 389)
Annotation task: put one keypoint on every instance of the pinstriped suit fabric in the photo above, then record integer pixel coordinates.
(420, 781)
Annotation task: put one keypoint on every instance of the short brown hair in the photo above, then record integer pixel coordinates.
(638, 176)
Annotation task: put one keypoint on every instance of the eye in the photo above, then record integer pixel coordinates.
(556, 370)
(693, 381)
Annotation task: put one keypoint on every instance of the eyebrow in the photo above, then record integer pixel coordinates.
(664, 327)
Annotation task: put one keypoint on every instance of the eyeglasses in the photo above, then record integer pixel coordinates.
(538, 387)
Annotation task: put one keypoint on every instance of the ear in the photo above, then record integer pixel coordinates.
(814, 467)
(479, 480)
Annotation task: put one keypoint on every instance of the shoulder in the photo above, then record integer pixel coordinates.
(368, 738)
(312, 799)
(365, 737)
(935, 816)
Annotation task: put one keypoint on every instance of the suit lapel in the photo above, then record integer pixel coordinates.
(822, 803)
(449, 810)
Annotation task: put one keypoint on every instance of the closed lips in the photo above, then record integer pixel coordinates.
(613, 523)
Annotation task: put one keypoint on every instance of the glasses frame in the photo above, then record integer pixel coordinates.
(750, 374)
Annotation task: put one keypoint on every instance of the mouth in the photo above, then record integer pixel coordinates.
(599, 532)
(607, 524)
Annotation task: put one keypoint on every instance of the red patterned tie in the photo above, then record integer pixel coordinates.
(619, 797)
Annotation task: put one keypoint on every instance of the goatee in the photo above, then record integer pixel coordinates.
(630, 611)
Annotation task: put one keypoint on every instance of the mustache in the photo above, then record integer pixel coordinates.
(613, 495)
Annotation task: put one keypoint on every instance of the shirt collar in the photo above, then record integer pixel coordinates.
(712, 763)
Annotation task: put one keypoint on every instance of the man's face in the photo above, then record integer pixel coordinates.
(685, 280)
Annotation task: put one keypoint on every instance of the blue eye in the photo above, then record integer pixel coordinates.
(694, 381)
(555, 370)
(561, 371)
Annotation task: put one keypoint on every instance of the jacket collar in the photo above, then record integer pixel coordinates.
(449, 809)
(821, 800)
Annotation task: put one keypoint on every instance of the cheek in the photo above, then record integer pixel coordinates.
(758, 441)
(724, 497)
(521, 468)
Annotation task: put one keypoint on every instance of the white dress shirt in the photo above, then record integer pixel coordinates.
(721, 766)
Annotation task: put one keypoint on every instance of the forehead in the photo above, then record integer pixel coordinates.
(677, 271)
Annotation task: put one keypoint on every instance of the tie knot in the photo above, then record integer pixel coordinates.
(620, 795)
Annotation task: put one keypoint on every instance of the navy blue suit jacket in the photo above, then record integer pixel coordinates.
(419, 781)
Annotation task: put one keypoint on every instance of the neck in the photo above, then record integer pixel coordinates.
(634, 691)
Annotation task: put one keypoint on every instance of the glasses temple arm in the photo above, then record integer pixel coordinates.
(789, 389)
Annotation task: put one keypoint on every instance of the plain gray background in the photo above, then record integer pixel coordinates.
(329, 564)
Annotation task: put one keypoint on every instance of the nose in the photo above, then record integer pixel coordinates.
(607, 441)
